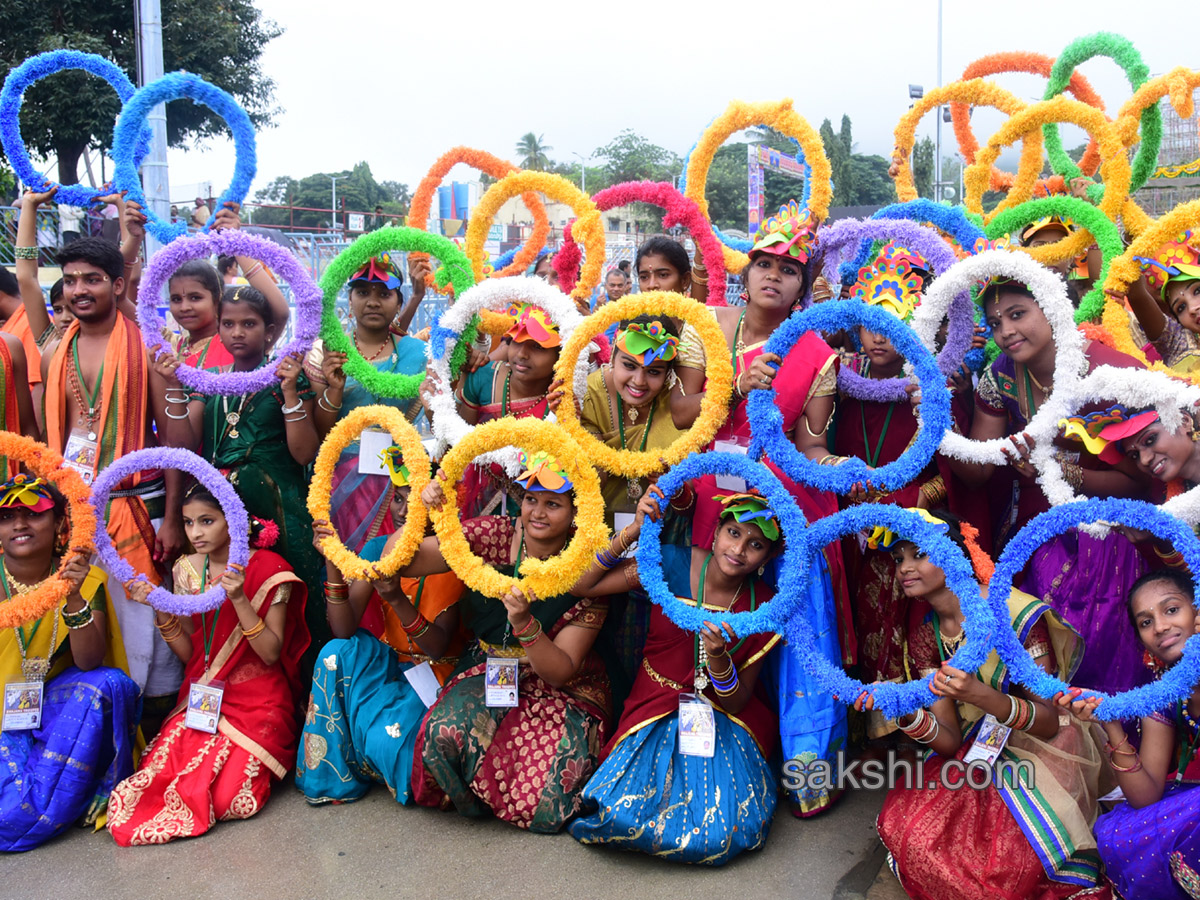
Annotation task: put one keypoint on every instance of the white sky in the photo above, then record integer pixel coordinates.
(397, 84)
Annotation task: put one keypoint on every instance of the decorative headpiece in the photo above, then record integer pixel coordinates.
(32, 493)
(882, 537)
(541, 472)
(1037, 225)
(790, 232)
(750, 508)
(1175, 260)
(530, 323)
(382, 270)
(896, 253)
(394, 461)
(890, 283)
(647, 342)
(1102, 431)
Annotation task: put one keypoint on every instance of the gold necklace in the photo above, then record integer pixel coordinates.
(1045, 390)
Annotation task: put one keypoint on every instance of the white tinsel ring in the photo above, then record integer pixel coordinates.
(1135, 389)
(495, 294)
(1050, 293)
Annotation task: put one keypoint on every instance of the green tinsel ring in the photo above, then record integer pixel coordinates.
(1105, 233)
(349, 261)
(1121, 51)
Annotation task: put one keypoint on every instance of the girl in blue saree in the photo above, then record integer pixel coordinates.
(63, 769)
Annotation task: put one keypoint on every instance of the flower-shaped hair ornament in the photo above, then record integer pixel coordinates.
(647, 342)
(393, 461)
(542, 472)
(32, 493)
(790, 232)
(890, 284)
(380, 269)
(1175, 260)
(530, 323)
(882, 537)
(750, 508)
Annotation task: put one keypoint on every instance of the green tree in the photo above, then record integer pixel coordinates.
(357, 191)
(922, 167)
(872, 186)
(630, 157)
(533, 152)
(72, 111)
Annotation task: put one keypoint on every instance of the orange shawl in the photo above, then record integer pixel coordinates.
(18, 326)
(122, 429)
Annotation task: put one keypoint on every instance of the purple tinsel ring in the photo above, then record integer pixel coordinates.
(280, 260)
(231, 504)
(845, 236)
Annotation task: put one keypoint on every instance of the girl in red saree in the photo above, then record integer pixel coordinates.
(188, 778)
(812, 724)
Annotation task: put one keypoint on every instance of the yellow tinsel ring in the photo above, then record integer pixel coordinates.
(976, 92)
(713, 409)
(780, 115)
(1114, 167)
(1124, 270)
(344, 433)
(544, 577)
(46, 463)
(588, 229)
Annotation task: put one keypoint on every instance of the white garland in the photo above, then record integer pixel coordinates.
(495, 294)
(1050, 293)
(1135, 389)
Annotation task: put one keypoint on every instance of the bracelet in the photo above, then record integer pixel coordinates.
(80, 619)
(255, 631)
(1136, 767)
(325, 394)
(606, 559)
(924, 728)
(171, 630)
(288, 410)
(528, 639)
(1109, 748)
(134, 264)
(831, 460)
(527, 629)
(686, 493)
(738, 393)
(1012, 712)
(177, 418)
(623, 540)
(299, 418)
(25, 252)
(419, 624)
(167, 395)
(1073, 474)
(632, 581)
(252, 270)
(934, 491)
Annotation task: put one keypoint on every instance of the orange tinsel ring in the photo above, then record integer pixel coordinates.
(418, 211)
(46, 463)
(1033, 64)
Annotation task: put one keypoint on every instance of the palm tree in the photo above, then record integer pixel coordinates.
(532, 152)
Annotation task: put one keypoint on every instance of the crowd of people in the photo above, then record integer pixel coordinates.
(591, 710)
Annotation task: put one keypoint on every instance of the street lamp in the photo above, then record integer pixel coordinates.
(583, 161)
(333, 211)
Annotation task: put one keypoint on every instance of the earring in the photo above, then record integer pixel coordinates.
(1153, 663)
(762, 569)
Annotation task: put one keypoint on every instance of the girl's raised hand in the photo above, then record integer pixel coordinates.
(233, 579)
(434, 495)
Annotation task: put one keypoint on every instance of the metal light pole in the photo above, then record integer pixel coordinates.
(155, 182)
(937, 163)
(333, 211)
(583, 161)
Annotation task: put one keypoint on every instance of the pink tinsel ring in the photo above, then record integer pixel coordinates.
(678, 210)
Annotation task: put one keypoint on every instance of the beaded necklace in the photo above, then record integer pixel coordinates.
(634, 485)
(533, 402)
(78, 386)
(1187, 745)
(378, 353)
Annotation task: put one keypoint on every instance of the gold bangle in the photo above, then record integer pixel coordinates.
(255, 630)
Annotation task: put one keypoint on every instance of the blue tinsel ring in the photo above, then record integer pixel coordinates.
(791, 591)
(12, 95)
(742, 244)
(137, 108)
(927, 242)
(1176, 683)
(893, 700)
(766, 419)
(222, 491)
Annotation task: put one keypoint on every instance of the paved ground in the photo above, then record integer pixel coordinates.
(375, 849)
